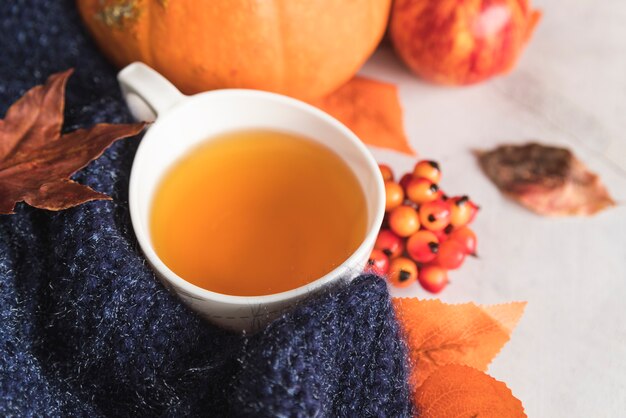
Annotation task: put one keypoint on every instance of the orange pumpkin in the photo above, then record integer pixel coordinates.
(304, 49)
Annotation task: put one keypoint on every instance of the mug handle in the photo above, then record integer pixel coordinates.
(147, 93)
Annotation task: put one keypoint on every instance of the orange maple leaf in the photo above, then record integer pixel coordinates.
(371, 109)
(456, 391)
(438, 334)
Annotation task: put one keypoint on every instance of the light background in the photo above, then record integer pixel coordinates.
(567, 358)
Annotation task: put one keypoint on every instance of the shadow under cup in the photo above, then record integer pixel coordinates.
(197, 119)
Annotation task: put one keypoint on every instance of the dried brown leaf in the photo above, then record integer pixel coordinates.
(37, 161)
(548, 180)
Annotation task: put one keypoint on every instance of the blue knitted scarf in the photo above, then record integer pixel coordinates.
(86, 330)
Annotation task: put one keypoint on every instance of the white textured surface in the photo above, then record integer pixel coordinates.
(567, 358)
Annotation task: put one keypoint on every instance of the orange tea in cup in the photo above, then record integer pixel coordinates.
(256, 212)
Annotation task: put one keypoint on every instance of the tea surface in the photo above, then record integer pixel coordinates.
(253, 213)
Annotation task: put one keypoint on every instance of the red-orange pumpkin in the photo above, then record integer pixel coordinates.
(305, 49)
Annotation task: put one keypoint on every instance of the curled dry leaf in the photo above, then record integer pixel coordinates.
(548, 180)
(438, 334)
(456, 391)
(371, 109)
(36, 160)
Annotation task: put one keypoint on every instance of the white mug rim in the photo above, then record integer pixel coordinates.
(205, 294)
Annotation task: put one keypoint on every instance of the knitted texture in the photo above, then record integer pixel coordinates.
(87, 330)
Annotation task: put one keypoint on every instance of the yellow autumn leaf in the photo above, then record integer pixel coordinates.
(371, 109)
(438, 334)
(455, 391)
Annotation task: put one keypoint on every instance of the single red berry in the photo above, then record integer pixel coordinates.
(386, 172)
(422, 246)
(389, 243)
(404, 181)
(428, 169)
(460, 211)
(394, 195)
(435, 215)
(451, 255)
(378, 263)
(402, 272)
(421, 190)
(433, 278)
(404, 221)
(467, 238)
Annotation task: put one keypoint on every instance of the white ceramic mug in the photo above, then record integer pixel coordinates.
(184, 121)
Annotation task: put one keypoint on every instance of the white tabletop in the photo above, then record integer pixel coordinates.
(567, 358)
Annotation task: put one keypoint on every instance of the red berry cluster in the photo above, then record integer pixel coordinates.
(425, 233)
